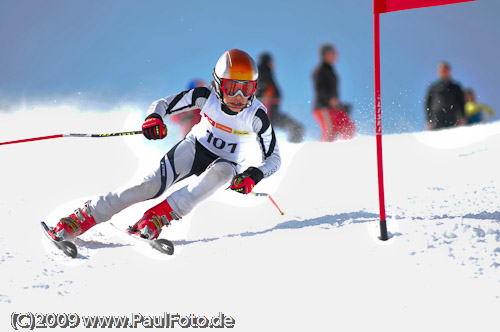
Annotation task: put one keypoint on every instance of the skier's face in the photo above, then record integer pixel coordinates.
(236, 103)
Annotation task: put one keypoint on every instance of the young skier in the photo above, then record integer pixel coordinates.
(232, 118)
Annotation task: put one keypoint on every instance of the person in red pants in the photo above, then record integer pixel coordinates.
(333, 117)
(335, 123)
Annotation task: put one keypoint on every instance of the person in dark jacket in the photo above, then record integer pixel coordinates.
(333, 117)
(269, 94)
(445, 104)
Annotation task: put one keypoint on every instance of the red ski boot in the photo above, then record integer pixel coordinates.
(149, 226)
(76, 224)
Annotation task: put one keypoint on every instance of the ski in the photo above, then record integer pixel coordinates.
(68, 247)
(162, 245)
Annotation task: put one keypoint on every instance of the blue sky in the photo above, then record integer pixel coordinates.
(108, 53)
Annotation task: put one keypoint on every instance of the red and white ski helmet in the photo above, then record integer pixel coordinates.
(234, 65)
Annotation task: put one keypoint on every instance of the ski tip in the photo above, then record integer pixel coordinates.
(49, 232)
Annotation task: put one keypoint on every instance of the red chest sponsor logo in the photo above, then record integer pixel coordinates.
(225, 128)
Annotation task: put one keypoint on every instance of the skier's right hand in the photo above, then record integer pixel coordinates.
(243, 183)
(154, 128)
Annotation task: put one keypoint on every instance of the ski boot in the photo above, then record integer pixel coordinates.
(149, 226)
(76, 224)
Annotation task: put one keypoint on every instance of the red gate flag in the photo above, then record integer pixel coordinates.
(385, 6)
(379, 7)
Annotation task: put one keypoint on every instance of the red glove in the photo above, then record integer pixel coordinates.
(243, 185)
(244, 182)
(154, 128)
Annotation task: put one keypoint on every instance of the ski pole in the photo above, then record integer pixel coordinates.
(272, 200)
(72, 135)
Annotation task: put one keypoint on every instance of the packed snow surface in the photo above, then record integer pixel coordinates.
(319, 267)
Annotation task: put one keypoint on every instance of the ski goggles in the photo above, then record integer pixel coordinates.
(232, 88)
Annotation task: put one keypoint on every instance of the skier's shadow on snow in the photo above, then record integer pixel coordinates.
(485, 215)
(94, 244)
(332, 220)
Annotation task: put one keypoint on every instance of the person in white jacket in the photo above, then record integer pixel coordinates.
(231, 119)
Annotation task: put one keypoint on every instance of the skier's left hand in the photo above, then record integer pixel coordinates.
(243, 183)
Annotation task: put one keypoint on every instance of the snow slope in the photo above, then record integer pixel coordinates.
(320, 267)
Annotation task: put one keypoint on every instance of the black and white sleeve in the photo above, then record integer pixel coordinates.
(181, 102)
(271, 160)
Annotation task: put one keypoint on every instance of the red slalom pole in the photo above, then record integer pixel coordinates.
(72, 135)
(378, 124)
(271, 199)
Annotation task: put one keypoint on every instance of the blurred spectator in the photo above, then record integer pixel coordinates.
(333, 116)
(269, 94)
(445, 105)
(187, 120)
(474, 111)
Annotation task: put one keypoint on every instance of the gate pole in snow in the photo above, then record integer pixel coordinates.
(385, 6)
(378, 126)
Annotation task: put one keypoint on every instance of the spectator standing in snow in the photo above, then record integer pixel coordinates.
(445, 103)
(269, 94)
(333, 117)
(187, 120)
(474, 111)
